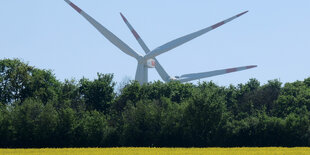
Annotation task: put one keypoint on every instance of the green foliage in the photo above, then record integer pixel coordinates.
(294, 98)
(66, 128)
(141, 124)
(25, 122)
(70, 96)
(92, 129)
(46, 126)
(14, 76)
(5, 126)
(203, 115)
(43, 85)
(37, 110)
(99, 93)
(19, 81)
(171, 124)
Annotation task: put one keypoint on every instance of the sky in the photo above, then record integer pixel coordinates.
(51, 35)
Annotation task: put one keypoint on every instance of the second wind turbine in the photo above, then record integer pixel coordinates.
(148, 60)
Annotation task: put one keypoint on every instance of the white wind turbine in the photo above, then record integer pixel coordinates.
(149, 60)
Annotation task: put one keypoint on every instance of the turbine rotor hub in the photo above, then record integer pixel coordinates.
(150, 63)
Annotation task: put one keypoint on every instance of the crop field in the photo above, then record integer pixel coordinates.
(170, 151)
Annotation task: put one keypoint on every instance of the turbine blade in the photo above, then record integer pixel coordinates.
(179, 41)
(163, 74)
(161, 71)
(106, 33)
(195, 76)
(137, 36)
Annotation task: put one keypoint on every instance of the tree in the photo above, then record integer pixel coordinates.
(131, 93)
(25, 121)
(93, 130)
(71, 96)
(43, 85)
(37, 110)
(5, 127)
(203, 116)
(14, 77)
(65, 131)
(98, 94)
(46, 127)
(171, 123)
(294, 98)
(19, 81)
(141, 124)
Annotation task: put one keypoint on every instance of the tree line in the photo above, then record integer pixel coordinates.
(37, 110)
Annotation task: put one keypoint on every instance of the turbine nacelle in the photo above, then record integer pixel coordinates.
(174, 78)
(151, 63)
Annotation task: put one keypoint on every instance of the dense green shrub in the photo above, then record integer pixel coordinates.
(37, 110)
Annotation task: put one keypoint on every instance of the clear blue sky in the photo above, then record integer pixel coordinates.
(274, 35)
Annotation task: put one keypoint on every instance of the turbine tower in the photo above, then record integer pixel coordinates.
(148, 60)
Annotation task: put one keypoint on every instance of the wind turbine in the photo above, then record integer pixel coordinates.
(148, 60)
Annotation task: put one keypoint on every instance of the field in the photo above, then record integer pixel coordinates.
(170, 151)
